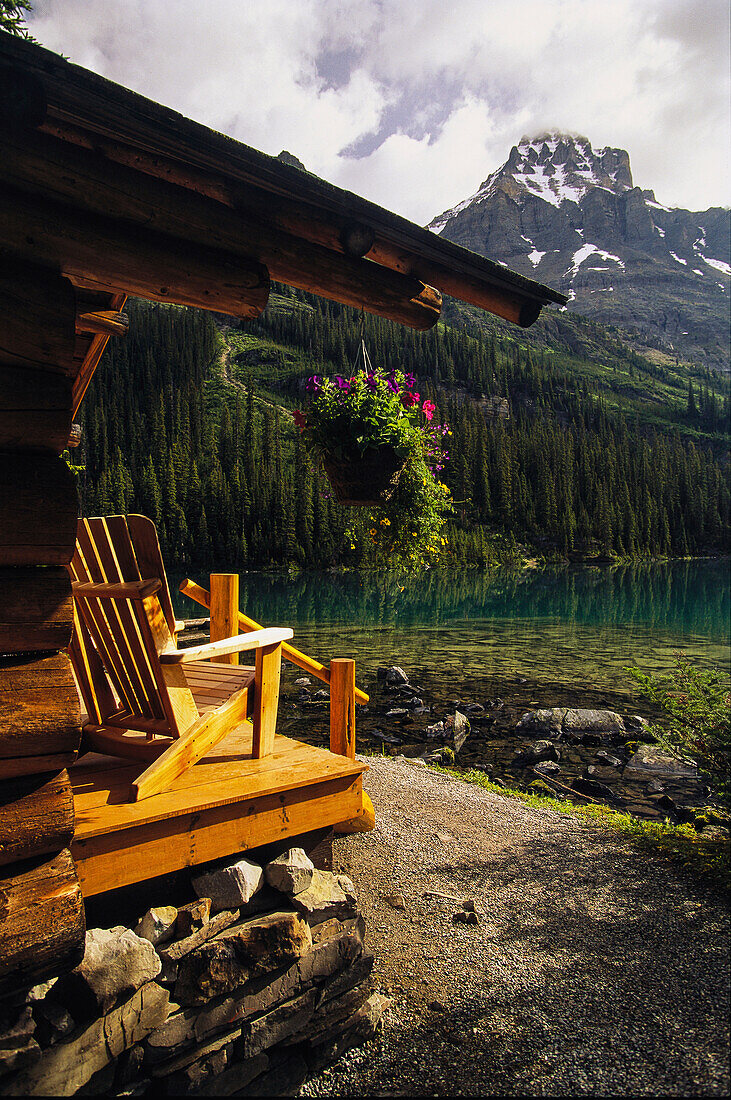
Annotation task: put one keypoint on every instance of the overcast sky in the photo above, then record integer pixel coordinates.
(412, 103)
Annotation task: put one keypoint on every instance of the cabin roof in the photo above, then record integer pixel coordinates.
(326, 228)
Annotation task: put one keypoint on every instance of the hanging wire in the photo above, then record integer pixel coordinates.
(362, 352)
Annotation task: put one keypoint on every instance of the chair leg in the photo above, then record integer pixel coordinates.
(186, 750)
(266, 698)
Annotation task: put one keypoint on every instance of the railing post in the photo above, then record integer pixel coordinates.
(342, 706)
(225, 612)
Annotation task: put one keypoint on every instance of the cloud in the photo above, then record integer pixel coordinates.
(413, 105)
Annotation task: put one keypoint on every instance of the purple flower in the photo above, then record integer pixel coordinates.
(314, 384)
(393, 385)
(342, 384)
(410, 380)
(372, 382)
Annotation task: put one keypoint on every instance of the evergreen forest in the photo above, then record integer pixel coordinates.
(554, 453)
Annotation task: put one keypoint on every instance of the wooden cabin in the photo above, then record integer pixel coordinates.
(105, 194)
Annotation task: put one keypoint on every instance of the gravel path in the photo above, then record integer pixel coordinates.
(593, 970)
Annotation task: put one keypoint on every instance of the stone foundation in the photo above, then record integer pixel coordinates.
(262, 981)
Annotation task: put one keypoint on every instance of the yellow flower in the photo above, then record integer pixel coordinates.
(372, 531)
(386, 521)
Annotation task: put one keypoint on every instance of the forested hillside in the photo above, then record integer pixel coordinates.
(189, 421)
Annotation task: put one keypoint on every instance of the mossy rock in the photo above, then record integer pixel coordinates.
(539, 785)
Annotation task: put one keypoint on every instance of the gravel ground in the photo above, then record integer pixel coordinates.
(593, 970)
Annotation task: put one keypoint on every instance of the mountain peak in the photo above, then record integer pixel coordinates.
(569, 214)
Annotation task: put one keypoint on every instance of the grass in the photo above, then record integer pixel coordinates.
(708, 857)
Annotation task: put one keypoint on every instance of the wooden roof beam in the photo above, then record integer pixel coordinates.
(102, 199)
(155, 139)
(101, 253)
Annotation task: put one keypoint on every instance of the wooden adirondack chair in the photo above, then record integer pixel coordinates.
(145, 698)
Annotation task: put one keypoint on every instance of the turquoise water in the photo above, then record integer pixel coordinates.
(576, 625)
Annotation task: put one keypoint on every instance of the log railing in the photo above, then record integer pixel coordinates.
(226, 619)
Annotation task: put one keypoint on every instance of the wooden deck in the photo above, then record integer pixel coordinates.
(228, 802)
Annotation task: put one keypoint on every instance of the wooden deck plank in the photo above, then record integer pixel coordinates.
(228, 775)
(111, 860)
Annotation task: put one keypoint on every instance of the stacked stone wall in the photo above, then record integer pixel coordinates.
(261, 981)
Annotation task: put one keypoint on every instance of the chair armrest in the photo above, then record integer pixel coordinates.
(179, 625)
(256, 640)
(122, 590)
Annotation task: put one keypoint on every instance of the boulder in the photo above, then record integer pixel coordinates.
(592, 721)
(593, 788)
(269, 942)
(540, 751)
(230, 887)
(192, 917)
(346, 885)
(649, 760)
(116, 961)
(395, 676)
(210, 971)
(541, 721)
(291, 872)
(608, 759)
(548, 767)
(18, 1047)
(323, 898)
(66, 1068)
(171, 954)
(458, 725)
(158, 925)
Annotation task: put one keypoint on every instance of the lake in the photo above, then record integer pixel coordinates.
(472, 634)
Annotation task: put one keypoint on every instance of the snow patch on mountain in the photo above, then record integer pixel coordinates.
(587, 250)
(719, 265)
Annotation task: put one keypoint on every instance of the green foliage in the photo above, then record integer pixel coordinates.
(406, 533)
(698, 728)
(12, 18)
(348, 417)
(75, 470)
(192, 425)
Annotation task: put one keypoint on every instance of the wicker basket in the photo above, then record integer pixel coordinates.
(368, 480)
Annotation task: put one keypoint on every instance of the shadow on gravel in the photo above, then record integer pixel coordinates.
(621, 985)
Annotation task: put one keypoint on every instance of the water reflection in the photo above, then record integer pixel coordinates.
(572, 623)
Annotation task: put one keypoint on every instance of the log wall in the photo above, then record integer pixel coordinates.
(41, 907)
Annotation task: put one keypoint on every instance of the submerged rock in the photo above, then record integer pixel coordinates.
(541, 721)
(651, 760)
(592, 721)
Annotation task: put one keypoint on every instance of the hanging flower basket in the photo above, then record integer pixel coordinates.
(368, 480)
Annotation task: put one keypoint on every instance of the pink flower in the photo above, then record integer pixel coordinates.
(428, 409)
(408, 400)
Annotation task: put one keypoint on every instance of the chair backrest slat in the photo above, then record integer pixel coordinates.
(143, 534)
(121, 641)
(111, 549)
(96, 692)
(117, 559)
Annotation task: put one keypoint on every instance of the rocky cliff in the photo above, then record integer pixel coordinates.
(569, 215)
